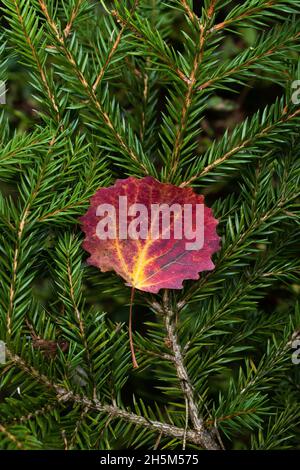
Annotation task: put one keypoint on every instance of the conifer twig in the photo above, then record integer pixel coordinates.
(73, 17)
(87, 87)
(40, 66)
(192, 16)
(11, 437)
(80, 323)
(198, 423)
(113, 50)
(19, 235)
(64, 395)
(163, 57)
(248, 13)
(187, 101)
(191, 86)
(243, 144)
(246, 64)
(211, 8)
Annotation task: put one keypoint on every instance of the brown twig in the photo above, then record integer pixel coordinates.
(192, 16)
(113, 50)
(211, 9)
(73, 17)
(246, 14)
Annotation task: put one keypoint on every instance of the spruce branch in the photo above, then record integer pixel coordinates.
(132, 88)
(73, 16)
(89, 89)
(282, 116)
(231, 251)
(70, 279)
(81, 419)
(154, 42)
(11, 437)
(264, 52)
(20, 150)
(240, 243)
(15, 264)
(113, 50)
(211, 8)
(201, 30)
(68, 208)
(207, 441)
(250, 11)
(219, 419)
(187, 101)
(29, 23)
(239, 297)
(16, 255)
(20, 229)
(189, 11)
(64, 395)
(280, 428)
(39, 412)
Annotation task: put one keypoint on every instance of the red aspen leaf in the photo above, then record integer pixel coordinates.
(148, 263)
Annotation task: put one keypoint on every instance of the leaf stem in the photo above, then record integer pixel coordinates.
(134, 361)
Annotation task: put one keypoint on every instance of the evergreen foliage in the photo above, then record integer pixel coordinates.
(127, 88)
